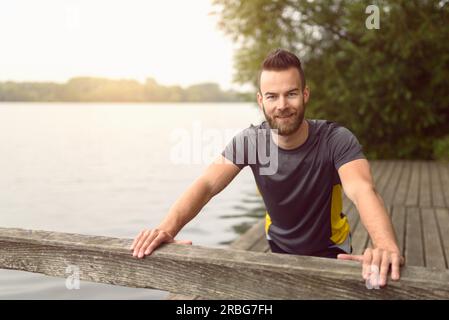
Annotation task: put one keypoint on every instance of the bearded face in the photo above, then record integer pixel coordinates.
(283, 99)
(286, 121)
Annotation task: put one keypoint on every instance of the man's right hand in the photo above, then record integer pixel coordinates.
(148, 240)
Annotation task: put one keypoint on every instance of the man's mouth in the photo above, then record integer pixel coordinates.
(285, 116)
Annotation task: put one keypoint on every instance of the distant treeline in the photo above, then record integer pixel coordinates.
(88, 89)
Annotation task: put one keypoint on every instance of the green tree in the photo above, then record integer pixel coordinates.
(388, 85)
(89, 89)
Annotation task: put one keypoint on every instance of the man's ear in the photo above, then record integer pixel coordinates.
(259, 100)
(306, 94)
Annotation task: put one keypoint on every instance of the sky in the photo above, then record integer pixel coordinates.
(173, 41)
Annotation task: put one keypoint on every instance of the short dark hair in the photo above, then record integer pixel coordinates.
(280, 59)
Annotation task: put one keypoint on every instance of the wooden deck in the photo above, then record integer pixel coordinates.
(416, 194)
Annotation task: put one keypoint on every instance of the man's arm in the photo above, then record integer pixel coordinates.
(213, 180)
(358, 185)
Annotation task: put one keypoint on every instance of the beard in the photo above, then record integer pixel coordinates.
(288, 126)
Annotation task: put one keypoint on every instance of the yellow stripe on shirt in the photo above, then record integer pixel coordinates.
(339, 224)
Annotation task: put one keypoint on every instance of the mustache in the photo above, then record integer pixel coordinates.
(284, 114)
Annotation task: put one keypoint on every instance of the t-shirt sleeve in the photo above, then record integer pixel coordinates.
(344, 147)
(236, 150)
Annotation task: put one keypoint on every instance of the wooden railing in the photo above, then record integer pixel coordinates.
(207, 272)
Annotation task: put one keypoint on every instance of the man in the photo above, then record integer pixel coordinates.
(302, 194)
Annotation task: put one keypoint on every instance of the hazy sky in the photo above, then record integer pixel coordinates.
(174, 41)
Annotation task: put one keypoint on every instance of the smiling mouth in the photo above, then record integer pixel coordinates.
(285, 117)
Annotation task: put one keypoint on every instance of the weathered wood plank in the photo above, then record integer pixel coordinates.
(433, 250)
(389, 191)
(425, 198)
(414, 254)
(437, 191)
(261, 245)
(388, 168)
(215, 273)
(267, 249)
(250, 237)
(247, 241)
(413, 188)
(398, 219)
(401, 192)
(443, 169)
(442, 216)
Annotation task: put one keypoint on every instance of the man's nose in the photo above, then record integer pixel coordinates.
(282, 103)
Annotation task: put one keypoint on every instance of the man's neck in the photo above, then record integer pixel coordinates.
(294, 140)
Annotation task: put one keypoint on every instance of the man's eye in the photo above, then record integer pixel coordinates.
(270, 97)
(292, 94)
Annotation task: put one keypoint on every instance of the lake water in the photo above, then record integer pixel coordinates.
(112, 170)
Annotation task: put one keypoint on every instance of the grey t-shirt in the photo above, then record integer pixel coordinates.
(300, 187)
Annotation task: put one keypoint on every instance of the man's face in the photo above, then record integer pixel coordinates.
(282, 100)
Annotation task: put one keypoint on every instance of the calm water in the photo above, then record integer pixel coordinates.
(113, 169)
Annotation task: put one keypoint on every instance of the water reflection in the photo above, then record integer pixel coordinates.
(252, 209)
